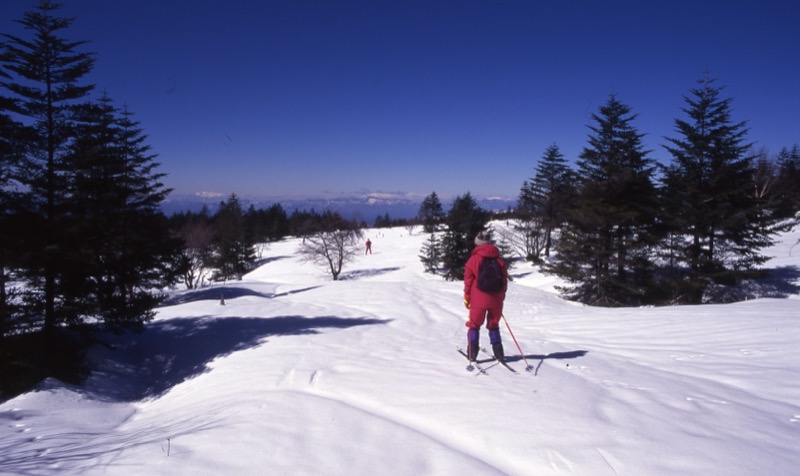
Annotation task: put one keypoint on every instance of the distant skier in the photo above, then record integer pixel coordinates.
(485, 285)
(368, 250)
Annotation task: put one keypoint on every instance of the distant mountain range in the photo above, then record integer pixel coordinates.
(364, 206)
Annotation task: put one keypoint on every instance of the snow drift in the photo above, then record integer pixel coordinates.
(297, 374)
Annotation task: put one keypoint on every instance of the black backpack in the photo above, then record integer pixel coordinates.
(490, 275)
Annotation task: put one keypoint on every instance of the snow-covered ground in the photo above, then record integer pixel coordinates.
(297, 374)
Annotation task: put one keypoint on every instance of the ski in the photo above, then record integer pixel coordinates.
(473, 365)
(501, 362)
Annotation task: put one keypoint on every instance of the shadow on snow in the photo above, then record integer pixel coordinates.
(541, 358)
(213, 293)
(782, 281)
(216, 293)
(365, 273)
(263, 261)
(166, 353)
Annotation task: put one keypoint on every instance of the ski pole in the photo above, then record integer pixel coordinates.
(528, 367)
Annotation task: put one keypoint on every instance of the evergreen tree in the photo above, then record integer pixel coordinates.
(45, 80)
(303, 222)
(431, 254)
(787, 191)
(234, 248)
(384, 221)
(544, 199)
(765, 193)
(464, 220)
(455, 249)
(121, 248)
(430, 213)
(708, 187)
(278, 222)
(605, 245)
(265, 225)
(10, 154)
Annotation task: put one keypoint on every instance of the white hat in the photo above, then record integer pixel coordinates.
(482, 238)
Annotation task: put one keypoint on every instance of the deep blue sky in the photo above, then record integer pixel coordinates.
(298, 97)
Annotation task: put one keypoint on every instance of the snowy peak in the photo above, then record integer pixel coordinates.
(362, 205)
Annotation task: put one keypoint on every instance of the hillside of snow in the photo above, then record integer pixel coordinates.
(298, 374)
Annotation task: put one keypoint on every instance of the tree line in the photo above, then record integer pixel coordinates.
(84, 242)
(83, 237)
(228, 243)
(625, 230)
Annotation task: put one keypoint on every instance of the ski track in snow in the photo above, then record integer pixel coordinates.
(404, 431)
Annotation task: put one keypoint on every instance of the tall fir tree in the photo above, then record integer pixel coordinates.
(10, 154)
(123, 243)
(264, 225)
(234, 247)
(45, 80)
(711, 212)
(431, 254)
(545, 197)
(464, 220)
(430, 213)
(604, 247)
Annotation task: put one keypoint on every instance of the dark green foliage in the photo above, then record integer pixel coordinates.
(80, 190)
(266, 225)
(303, 222)
(224, 246)
(430, 213)
(716, 223)
(431, 254)
(196, 232)
(543, 202)
(10, 154)
(120, 246)
(605, 244)
(771, 192)
(386, 221)
(44, 80)
(787, 187)
(464, 220)
(234, 252)
(455, 249)
(27, 358)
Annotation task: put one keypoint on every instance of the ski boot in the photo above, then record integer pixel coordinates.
(473, 344)
(497, 344)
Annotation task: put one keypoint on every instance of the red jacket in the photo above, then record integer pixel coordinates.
(477, 298)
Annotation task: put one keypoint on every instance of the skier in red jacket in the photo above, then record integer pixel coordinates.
(483, 306)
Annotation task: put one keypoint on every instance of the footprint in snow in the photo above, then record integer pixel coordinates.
(314, 377)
